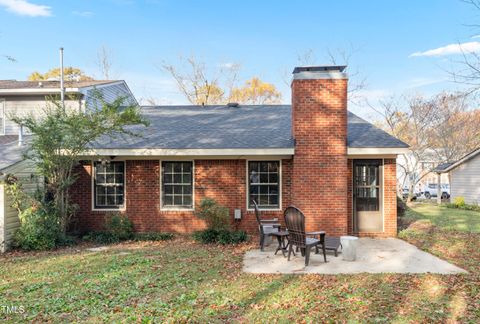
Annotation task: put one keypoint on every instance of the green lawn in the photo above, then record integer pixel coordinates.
(446, 218)
(180, 281)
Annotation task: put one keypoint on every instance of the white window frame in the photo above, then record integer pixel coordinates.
(280, 187)
(2, 115)
(122, 208)
(161, 187)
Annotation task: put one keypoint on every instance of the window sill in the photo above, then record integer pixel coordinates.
(177, 209)
(109, 209)
(261, 210)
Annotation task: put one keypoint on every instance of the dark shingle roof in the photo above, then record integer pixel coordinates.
(442, 167)
(219, 127)
(363, 134)
(209, 127)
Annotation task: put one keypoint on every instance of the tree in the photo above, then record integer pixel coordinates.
(61, 136)
(202, 85)
(438, 129)
(69, 73)
(256, 92)
(104, 62)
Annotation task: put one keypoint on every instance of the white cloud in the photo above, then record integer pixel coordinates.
(85, 14)
(451, 49)
(25, 8)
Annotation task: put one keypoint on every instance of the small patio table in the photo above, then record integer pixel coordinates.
(281, 237)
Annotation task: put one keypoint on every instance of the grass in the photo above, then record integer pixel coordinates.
(180, 280)
(446, 218)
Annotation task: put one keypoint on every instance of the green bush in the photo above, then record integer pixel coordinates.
(152, 236)
(462, 205)
(117, 228)
(223, 237)
(39, 230)
(216, 216)
(459, 201)
(120, 227)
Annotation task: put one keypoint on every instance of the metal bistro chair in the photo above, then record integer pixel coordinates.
(297, 236)
(265, 226)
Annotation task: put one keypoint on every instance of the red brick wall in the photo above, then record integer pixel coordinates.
(223, 180)
(320, 170)
(389, 200)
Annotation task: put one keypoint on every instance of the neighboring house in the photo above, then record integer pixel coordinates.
(30, 97)
(337, 168)
(424, 174)
(464, 177)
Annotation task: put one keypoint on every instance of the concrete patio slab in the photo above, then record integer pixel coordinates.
(373, 256)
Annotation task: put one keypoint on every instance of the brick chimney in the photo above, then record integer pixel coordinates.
(319, 127)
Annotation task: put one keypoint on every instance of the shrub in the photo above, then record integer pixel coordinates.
(39, 230)
(461, 205)
(118, 228)
(223, 237)
(152, 236)
(215, 215)
(459, 201)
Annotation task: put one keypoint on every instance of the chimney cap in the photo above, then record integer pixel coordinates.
(321, 68)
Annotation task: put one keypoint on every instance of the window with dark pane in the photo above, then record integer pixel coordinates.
(109, 184)
(177, 185)
(263, 184)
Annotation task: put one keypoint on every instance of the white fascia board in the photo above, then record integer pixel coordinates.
(377, 150)
(190, 152)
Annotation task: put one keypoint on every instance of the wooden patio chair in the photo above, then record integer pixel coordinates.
(295, 221)
(265, 226)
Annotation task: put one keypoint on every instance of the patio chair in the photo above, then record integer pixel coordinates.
(295, 221)
(265, 226)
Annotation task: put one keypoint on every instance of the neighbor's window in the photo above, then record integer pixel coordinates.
(264, 184)
(109, 185)
(177, 185)
(2, 116)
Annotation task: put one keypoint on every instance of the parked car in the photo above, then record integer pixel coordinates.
(430, 191)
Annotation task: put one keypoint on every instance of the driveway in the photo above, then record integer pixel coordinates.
(373, 256)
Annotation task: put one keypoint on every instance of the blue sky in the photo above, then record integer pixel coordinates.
(265, 37)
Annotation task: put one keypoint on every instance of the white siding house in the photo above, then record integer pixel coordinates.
(465, 177)
(24, 171)
(20, 98)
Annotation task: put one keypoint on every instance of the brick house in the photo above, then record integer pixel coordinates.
(337, 168)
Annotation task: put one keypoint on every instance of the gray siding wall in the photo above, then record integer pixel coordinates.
(109, 93)
(465, 181)
(26, 105)
(9, 221)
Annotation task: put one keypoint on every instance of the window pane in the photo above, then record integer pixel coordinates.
(168, 178)
(187, 200)
(187, 190)
(187, 167)
(177, 178)
(273, 167)
(177, 190)
(167, 200)
(187, 178)
(273, 178)
(168, 190)
(177, 200)
(177, 167)
(263, 177)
